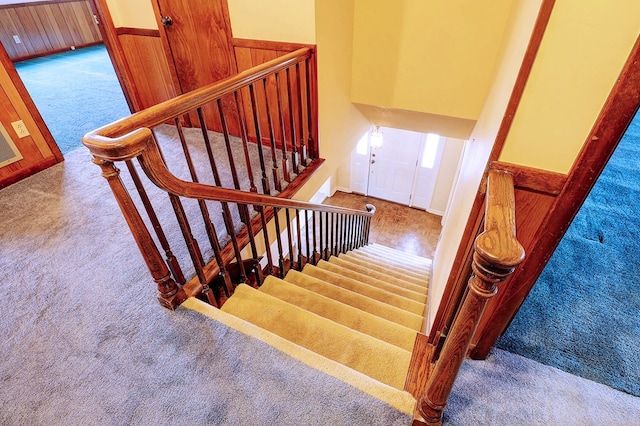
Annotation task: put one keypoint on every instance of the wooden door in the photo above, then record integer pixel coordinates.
(197, 37)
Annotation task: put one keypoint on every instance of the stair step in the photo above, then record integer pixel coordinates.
(380, 272)
(377, 359)
(398, 399)
(402, 254)
(341, 313)
(349, 297)
(395, 260)
(420, 296)
(365, 289)
(403, 257)
(386, 262)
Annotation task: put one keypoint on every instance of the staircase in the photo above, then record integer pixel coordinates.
(361, 309)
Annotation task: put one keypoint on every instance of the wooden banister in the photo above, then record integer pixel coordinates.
(184, 103)
(497, 253)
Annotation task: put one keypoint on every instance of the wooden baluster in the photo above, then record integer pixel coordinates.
(236, 183)
(289, 238)
(327, 231)
(343, 233)
(196, 253)
(497, 253)
(226, 214)
(227, 143)
(294, 139)
(371, 209)
(313, 228)
(306, 233)
(252, 242)
(311, 141)
(167, 287)
(300, 256)
(265, 235)
(352, 232)
(302, 146)
(332, 229)
(320, 214)
(272, 137)
(174, 266)
(245, 142)
(276, 219)
(285, 156)
(256, 120)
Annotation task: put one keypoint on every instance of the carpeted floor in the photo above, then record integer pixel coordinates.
(582, 314)
(75, 92)
(85, 342)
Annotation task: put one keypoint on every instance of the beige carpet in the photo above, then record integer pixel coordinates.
(363, 320)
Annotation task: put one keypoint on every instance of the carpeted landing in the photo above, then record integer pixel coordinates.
(354, 316)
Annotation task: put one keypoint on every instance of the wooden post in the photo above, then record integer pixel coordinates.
(497, 253)
(167, 287)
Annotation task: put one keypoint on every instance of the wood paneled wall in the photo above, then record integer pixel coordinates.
(147, 65)
(250, 53)
(46, 27)
(38, 150)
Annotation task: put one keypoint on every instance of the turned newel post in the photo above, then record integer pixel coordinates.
(497, 253)
(159, 270)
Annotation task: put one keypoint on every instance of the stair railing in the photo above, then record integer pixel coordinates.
(255, 132)
(496, 254)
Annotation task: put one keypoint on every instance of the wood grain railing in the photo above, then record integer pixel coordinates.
(213, 236)
(497, 253)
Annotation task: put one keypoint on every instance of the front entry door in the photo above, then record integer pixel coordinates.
(393, 166)
(197, 35)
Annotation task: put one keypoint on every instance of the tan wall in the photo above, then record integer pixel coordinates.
(341, 124)
(428, 56)
(132, 13)
(581, 55)
(276, 20)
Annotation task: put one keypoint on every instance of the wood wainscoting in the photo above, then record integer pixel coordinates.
(250, 53)
(147, 63)
(39, 150)
(48, 27)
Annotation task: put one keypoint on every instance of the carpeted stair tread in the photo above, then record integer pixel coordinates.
(413, 258)
(409, 269)
(384, 273)
(357, 300)
(399, 258)
(365, 289)
(341, 313)
(410, 273)
(420, 297)
(400, 400)
(377, 359)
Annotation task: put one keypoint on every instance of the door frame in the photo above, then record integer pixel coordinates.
(116, 53)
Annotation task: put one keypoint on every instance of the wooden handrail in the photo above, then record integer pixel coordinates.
(295, 110)
(112, 150)
(497, 253)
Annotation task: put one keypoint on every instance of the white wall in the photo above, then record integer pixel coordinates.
(446, 174)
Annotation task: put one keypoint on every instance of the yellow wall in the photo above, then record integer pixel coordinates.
(431, 56)
(476, 152)
(132, 13)
(341, 124)
(276, 20)
(581, 55)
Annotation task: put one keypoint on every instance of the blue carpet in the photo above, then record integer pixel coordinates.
(582, 314)
(75, 92)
